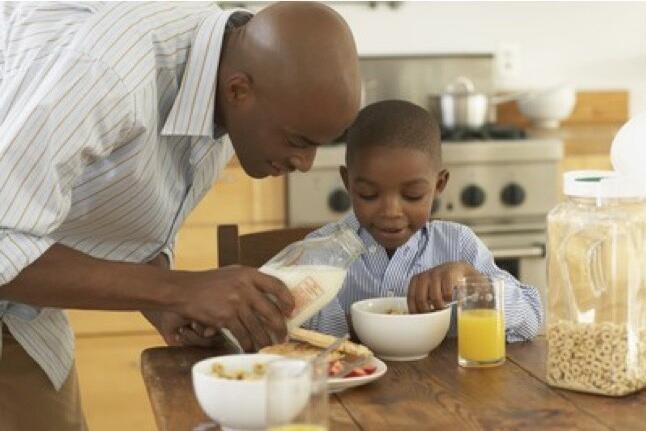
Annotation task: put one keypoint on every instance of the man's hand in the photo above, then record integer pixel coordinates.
(175, 329)
(236, 298)
(178, 331)
(430, 289)
(168, 325)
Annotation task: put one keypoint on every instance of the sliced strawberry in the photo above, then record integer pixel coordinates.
(360, 371)
(334, 368)
(357, 372)
(369, 369)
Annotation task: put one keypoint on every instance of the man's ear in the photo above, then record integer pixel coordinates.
(441, 182)
(344, 176)
(238, 88)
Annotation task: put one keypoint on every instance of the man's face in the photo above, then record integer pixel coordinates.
(273, 137)
(392, 191)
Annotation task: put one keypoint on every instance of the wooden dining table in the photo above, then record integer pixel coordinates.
(433, 393)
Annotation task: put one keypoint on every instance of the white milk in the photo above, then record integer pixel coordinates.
(313, 287)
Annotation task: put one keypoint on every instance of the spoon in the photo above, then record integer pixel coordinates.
(450, 304)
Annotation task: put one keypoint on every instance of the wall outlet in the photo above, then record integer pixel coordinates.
(508, 60)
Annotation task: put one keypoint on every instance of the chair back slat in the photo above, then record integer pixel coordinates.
(254, 249)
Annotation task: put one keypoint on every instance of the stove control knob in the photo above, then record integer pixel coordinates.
(473, 196)
(512, 195)
(339, 201)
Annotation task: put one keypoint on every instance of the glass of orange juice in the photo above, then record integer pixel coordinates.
(481, 321)
(297, 396)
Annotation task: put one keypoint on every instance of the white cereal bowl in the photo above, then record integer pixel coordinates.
(233, 404)
(547, 107)
(398, 337)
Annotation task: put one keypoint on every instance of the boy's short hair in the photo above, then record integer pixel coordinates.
(394, 123)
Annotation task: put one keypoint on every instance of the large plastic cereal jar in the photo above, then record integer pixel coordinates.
(596, 311)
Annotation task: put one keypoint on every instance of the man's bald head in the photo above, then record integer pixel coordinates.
(303, 47)
(301, 64)
(301, 52)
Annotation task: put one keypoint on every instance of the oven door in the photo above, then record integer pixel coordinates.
(514, 259)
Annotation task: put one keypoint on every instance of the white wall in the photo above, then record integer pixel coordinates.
(594, 45)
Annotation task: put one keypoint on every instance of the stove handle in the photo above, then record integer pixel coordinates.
(535, 250)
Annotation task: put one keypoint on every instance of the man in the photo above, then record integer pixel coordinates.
(114, 122)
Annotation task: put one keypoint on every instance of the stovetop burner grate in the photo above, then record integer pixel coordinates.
(487, 132)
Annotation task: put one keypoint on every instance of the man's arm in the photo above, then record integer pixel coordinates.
(65, 278)
(234, 298)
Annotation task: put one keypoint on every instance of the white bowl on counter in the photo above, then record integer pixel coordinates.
(233, 404)
(398, 337)
(546, 108)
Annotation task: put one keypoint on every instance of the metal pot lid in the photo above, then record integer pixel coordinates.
(461, 87)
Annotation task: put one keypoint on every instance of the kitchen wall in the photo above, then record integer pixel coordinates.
(593, 45)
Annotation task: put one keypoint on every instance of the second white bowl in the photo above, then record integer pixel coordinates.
(398, 337)
(546, 108)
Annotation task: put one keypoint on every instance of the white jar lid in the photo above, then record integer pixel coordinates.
(602, 184)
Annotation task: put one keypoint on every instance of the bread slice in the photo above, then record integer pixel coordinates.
(319, 339)
(298, 349)
(306, 344)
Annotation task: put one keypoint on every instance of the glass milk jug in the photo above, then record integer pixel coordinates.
(596, 312)
(314, 270)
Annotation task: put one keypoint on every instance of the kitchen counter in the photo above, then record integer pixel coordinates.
(587, 134)
(580, 139)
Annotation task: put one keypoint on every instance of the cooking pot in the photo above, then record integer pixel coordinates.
(460, 106)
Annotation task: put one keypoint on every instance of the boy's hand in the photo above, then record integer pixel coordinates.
(429, 290)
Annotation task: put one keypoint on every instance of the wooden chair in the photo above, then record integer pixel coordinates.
(254, 249)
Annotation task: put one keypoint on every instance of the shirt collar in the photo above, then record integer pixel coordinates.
(414, 242)
(194, 107)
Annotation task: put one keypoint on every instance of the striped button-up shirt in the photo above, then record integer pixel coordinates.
(107, 139)
(375, 275)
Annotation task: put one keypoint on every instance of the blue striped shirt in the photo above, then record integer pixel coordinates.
(438, 242)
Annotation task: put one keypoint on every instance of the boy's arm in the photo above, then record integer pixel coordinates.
(523, 309)
(353, 334)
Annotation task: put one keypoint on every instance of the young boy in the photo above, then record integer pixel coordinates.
(393, 172)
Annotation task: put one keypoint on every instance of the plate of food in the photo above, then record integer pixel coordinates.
(370, 372)
(349, 366)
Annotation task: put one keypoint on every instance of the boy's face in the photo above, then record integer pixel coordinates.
(392, 191)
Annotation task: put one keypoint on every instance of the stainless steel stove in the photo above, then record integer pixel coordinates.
(492, 182)
(502, 189)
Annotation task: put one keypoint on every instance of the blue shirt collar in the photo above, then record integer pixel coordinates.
(414, 243)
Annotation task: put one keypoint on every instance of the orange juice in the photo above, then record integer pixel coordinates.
(298, 427)
(481, 335)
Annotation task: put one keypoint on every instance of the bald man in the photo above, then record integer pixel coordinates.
(115, 120)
